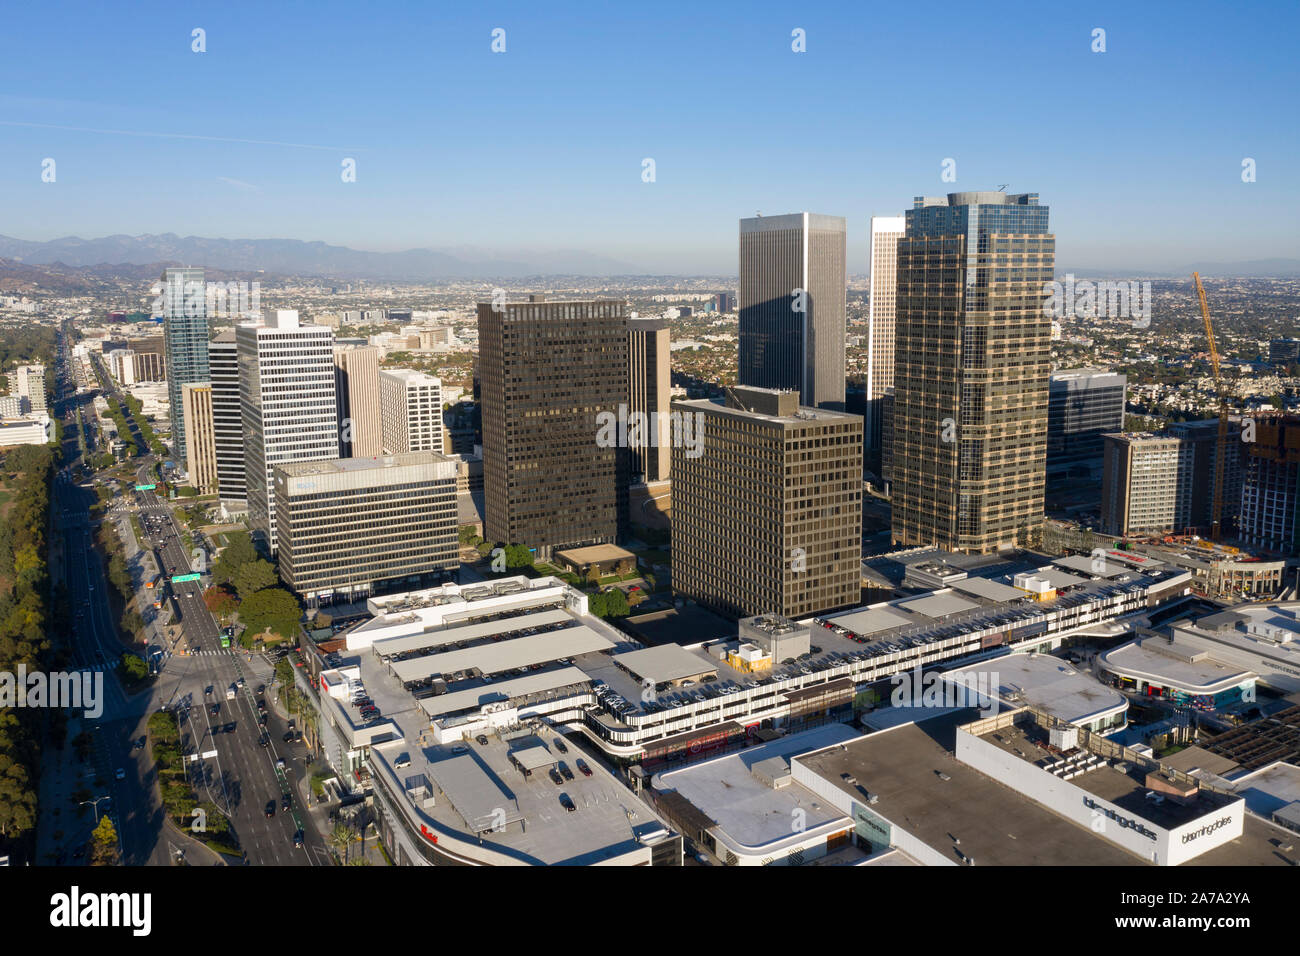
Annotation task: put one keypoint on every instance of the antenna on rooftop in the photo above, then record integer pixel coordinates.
(1003, 187)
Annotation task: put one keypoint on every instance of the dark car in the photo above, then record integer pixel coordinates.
(261, 688)
(559, 745)
(261, 718)
(286, 802)
(288, 737)
(565, 771)
(270, 808)
(583, 768)
(483, 741)
(556, 778)
(265, 740)
(297, 838)
(216, 709)
(567, 802)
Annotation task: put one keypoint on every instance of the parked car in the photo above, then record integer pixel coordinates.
(567, 802)
(583, 768)
(559, 745)
(556, 778)
(482, 740)
(565, 771)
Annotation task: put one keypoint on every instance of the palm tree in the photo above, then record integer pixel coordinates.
(340, 839)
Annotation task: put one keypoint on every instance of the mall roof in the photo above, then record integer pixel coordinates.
(989, 590)
(1169, 664)
(1096, 567)
(475, 794)
(495, 658)
(455, 633)
(534, 758)
(504, 690)
(938, 605)
(1045, 682)
(668, 662)
(866, 622)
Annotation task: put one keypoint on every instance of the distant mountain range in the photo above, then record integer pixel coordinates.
(129, 254)
(295, 257)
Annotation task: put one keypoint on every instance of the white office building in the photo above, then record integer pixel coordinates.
(287, 401)
(410, 405)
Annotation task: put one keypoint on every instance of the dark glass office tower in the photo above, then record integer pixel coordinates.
(185, 333)
(1083, 405)
(792, 281)
(551, 372)
(971, 367)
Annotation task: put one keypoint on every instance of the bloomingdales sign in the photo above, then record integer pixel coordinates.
(1125, 822)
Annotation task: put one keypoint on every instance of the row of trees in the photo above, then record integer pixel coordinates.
(178, 798)
(25, 628)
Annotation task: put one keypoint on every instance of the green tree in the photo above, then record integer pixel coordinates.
(597, 604)
(104, 844)
(134, 669)
(615, 603)
(238, 552)
(254, 576)
(273, 608)
(518, 556)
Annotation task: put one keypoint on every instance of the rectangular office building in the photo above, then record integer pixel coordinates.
(353, 527)
(971, 364)
(1083, 405)
(356, 388)
(885, 233)
(1146, 485)
(650, 393)
(767, 505)
(286, 380)
(553, 376)
(201, 450)
(792, 309)
(410, 404)
(227, 423)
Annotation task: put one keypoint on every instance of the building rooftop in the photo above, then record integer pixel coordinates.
(750, 812)
(665, 664)
(1044, 682)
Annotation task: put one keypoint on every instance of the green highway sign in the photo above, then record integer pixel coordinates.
(182, 578)
(145, 487)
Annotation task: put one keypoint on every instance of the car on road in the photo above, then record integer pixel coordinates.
(286, 802)
(279, 764)
(297, 838)
(583, 768)
(270, 808)
(261, 688)
(288, 737)
(567, 802)
(265, 740)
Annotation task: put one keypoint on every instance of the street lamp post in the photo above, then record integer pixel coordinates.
(95, 801)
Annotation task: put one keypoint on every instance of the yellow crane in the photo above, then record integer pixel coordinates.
(1221, 446)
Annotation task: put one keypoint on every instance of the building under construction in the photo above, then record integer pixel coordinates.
(1270, 486)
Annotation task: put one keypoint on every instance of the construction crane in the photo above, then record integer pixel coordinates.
(1221, 446)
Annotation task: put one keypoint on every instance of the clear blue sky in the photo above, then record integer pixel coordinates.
(1137, 150)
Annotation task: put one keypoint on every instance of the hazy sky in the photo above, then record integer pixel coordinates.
(1138, 150)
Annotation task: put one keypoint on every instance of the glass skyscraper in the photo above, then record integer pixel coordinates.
(792, 309)
(971, 366)
(185, 335)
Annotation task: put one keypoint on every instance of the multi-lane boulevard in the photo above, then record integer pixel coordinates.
(241, 764)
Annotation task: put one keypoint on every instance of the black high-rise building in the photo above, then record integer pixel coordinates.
(553, 377)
